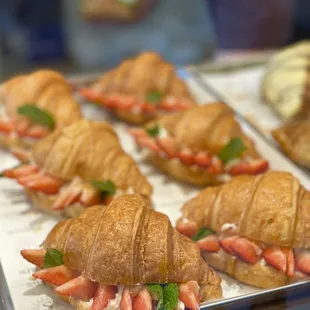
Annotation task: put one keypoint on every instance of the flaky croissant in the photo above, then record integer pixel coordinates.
(110, 253)
(140, 89)
(186, 145)
(294, 139)
(47, 90)
(65, 165)
(255, 228)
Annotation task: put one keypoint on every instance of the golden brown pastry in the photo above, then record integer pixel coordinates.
(140, 89)
(76, 167)
(204, 145)
(294, 139)
(125, 255)
(285, 85)
(46, 98)
(255, 228)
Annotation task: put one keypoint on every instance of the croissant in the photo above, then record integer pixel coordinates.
(286, 82)
(49, 92)
(197, 146)
(140, 89)
(115, 255)
(255, 228)
(294, 139)
(74, 167)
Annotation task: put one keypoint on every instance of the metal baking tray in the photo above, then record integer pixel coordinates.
(259, 298)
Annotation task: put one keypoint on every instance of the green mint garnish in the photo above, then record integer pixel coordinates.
(167, 295)
(37, 115)
(153, 97)
(153, 131)
(202, 233)
(53, 258)
(233, 149)
(171, 296)
(106, 187)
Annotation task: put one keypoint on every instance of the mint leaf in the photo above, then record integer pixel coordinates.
(202, 233)
(153, 97)
(106, 187)
(156, 291)
(53, 258)
(37, 115)
(233, 149)
(171, 296)
(153, 131)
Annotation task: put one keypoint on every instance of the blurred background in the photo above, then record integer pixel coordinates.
(94, 35)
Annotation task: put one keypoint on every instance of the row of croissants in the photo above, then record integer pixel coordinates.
(115, 251)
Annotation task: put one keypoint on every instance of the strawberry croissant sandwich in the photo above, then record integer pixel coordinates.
(255, 228)
(204, 145)
(124, 256)
(79, 166)
(35, 104)
(140, 89)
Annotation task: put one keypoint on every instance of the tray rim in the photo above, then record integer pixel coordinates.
(6, 302)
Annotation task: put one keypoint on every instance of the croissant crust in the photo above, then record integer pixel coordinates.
(46, 89)
(272, 208)
(294, 139)
(106, 244)
(91, 150)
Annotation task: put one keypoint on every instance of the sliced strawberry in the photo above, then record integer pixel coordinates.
(276, 258)
(202, 159)
(209, 244)
(167, 104)
(126, 303)
(254, 167)
(186, 156)
(302, 260)
(227, 242)
(184, 104)
(188, 297)
(188, 229)
(45, 184)
(22, 126)
(148, 143)
(56, 275)
(126, 103)
(103, 294)
(216, 165)
(168, 145)
(143, 301)
(20, 171)
(138, 133)
(246, 250)
(37, 131)
(35, 257)
(90, 95)
(80, 288)
(7, 126)
(148, 108)
(290, 261)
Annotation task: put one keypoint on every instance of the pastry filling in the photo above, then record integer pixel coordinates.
(64, 193)
(227, 161)
(37, 123)
(284, 259)
(151, 103)
(72, 284)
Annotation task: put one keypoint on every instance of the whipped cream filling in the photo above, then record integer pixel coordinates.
(228, 226)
